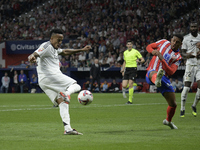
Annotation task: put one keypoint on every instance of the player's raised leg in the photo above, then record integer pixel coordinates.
(72, 89)
(159, 78)
(156, 77)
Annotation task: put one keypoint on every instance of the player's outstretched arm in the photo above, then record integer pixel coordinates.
(32, 58)
(186, 55)
(73, 51)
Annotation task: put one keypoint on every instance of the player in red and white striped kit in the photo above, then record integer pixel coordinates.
(164, 63)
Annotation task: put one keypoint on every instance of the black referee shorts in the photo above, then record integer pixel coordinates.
(130, 73)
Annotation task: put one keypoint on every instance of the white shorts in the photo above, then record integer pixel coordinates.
(191, 73)
(53, 84)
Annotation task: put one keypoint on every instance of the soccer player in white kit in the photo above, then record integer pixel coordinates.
(190, 51)
(57, 86)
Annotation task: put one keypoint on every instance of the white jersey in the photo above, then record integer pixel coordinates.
(189, 43)
(48, 62)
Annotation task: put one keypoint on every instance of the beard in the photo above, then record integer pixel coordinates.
(194, 32)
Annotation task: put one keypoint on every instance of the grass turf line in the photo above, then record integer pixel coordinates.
(29, 122)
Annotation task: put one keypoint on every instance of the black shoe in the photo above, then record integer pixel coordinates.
(194, 111)
(129, 102)
(182, 114)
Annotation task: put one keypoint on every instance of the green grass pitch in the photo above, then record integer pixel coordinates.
(29, 122)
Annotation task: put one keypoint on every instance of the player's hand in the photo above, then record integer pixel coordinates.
(160, 56)
(87, 48)
(198, 45)
(122, 72)
(198, 53)
(32, 58)
(155, 52)
(190, 55)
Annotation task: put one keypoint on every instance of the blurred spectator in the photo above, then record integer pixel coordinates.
(82, 59)
(70, 44)
(110, 59)
(15, 81)
(105, 87)
(120, 58)
(88, 85)
(96, 52)
(101, 59)
(95, 73)
(5, 80)
(105, 63)
(116, 42)
(32, 65)
(74, 61)
(88, 63)
(34, 83)
(22, 81)
(96, 89)
(22, 65)
(64, 65)
(179, 86)
(102, 48)
(114, 86)
(111, 22)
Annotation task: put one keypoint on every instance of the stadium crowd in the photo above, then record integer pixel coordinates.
(106, 25)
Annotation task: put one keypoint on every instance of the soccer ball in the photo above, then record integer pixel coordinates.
(85, 97)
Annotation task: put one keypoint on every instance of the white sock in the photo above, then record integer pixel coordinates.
(64, 113)
(184, 97)
(73, 88)
(124, 90)
(197, 97)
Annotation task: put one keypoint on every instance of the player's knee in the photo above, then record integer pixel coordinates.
(198, 94)
(124, 86)
(77, 87)
(187, 84)
(173, 104)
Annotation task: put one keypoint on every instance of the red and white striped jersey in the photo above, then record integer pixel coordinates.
(171, 60)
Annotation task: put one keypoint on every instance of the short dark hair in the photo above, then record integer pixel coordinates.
(56, 31)
(193, 22)
(179, 36)
(129, 41)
